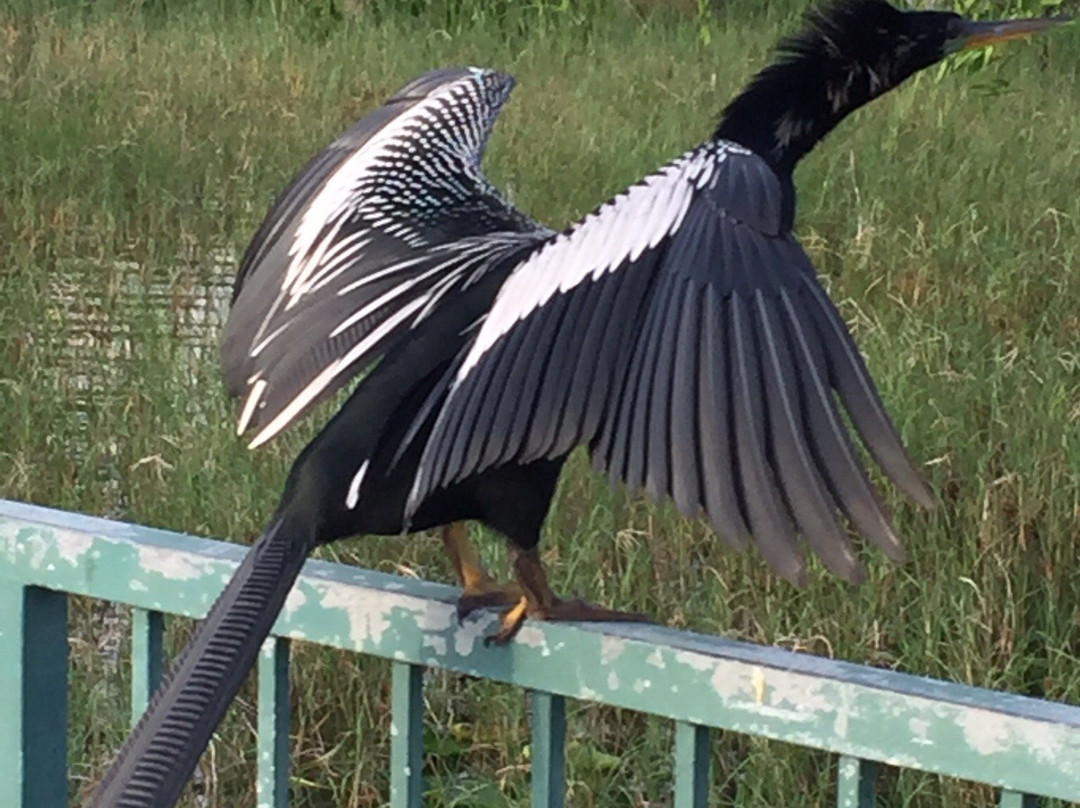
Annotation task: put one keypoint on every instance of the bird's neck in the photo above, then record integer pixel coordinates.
(791, 105)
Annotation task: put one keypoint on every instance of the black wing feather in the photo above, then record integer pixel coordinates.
(769, 517)
(845, 476)
(716, 429)
(641, 423)
(535, 366)
(851, 379)
(683, 444)
(628, 461)
(486, 391)
(807, 496)
(602, 365)
(609, 391)
(554, 395)
(658, 476)
(534, 417)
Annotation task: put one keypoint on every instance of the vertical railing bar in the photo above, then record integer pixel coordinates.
(855, 782)
(1017, 799)
(33, 695)
(12, 630)
(548, 750)
(692, 753)
(272, 783)
(147, 655)
(407, 736)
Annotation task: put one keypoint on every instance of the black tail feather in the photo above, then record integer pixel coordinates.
(163, 749)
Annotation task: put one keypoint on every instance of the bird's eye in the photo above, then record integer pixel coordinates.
(955, 27)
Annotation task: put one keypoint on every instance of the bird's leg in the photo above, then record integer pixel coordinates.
(480, 589)
(540, 603)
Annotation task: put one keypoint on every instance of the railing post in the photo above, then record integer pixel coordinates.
(147, 655)
(407, 736)
(548, 750)
(33, 696)
(855, 782)
(1014, 799)
(272, 785)
(692, 752)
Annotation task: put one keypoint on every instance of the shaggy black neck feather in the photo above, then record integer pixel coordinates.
(850, 53)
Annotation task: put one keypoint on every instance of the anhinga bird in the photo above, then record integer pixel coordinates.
(678, 331)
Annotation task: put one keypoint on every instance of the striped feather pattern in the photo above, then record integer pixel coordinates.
(370, 237)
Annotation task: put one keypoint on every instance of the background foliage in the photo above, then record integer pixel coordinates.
(141, 143)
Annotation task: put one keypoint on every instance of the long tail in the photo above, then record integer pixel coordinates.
(161, 752)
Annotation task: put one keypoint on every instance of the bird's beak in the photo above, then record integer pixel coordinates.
(978, 34)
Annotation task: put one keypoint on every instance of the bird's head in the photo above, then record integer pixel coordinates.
(849, 40)
(918, 39)
(848, 53)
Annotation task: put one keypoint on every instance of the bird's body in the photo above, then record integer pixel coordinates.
(512, 499)
(678, 331)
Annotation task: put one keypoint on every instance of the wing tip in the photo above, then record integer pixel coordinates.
(896, 553)
(856, 574)
(923, 493)
(263, 436)
(794, 572)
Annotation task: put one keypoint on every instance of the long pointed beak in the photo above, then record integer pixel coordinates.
(977, 34)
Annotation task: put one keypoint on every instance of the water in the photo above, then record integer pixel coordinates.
(104, 310)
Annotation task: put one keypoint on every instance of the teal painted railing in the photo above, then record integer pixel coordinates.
(1024, 746)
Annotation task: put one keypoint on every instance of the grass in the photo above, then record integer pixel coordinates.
(142, 143)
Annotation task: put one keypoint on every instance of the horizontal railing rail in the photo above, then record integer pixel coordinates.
(1026, 747)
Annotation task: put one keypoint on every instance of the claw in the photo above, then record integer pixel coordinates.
(509, 624)
(539, 603)
(529, 597)
(493, 598)
(568, 610)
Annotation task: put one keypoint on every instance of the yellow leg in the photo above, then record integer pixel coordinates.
(540, 603)
(463, 556)
(480, 589)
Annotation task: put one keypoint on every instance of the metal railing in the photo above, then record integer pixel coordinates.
(1024, 746)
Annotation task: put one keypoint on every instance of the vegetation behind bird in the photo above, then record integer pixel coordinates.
(141, 145)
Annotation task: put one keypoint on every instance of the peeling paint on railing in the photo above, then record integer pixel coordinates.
(1022, 744)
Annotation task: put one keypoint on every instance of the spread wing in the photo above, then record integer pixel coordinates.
(377, 230)
(680, 332)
